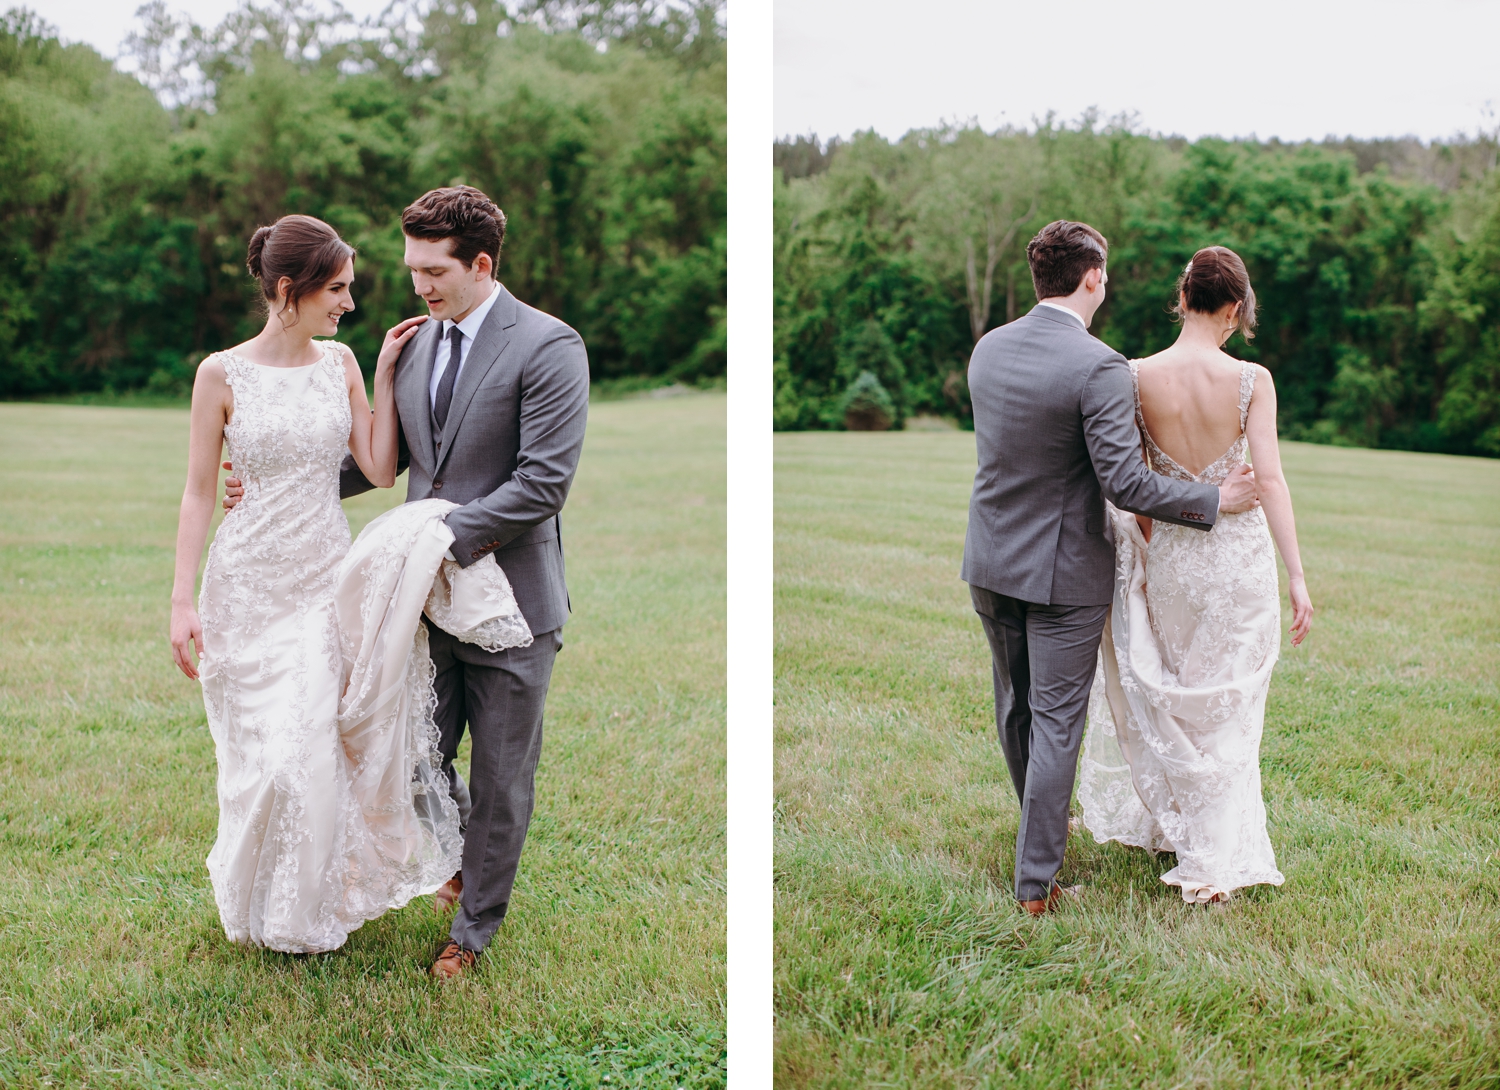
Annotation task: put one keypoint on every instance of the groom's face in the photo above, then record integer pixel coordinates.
(446, 285)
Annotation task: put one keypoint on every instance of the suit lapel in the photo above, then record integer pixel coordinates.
(493, 336)
(416, 404)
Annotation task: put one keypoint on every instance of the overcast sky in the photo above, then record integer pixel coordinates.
(1295, 69)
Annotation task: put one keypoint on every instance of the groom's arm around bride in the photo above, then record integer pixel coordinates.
(1055, 427)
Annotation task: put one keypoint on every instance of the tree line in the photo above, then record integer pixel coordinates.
(1376, 265)
(127, 197)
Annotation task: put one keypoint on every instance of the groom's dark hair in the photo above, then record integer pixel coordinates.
(460, 212)
(1060, 255)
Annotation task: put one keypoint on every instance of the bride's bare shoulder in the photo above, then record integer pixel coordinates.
(211, 381)
(1157, 365)
(1232, 363)
(211, 369)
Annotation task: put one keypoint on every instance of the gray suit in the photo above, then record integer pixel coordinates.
(1055, 424)
(507, 453)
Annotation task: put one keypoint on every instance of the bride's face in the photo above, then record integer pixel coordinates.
(320, 312)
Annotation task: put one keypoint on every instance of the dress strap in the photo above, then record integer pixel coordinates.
(227, 360)
(1247, 390)
(1140, 420)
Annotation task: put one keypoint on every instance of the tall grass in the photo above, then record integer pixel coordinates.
(114, 971)
(902, 959)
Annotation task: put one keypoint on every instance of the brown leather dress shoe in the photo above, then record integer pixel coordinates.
(447, 895)
(452, 961)
(1039, 907)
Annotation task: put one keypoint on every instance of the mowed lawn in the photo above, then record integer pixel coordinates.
(114, 971)
(901, 957)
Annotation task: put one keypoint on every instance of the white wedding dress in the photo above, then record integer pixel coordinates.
(1171, 755)
(333, 808)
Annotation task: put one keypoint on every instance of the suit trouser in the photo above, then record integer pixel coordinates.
(1043, 659)
(499, 696)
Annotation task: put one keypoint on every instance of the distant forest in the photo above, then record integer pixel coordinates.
(1376, 264)
(127, 198)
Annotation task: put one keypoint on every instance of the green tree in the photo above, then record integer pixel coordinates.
(1374, 265)
(600, 129)
(1462, 312)
(975, 208)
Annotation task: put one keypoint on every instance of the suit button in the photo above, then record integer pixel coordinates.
(473, 556)
(437, 484)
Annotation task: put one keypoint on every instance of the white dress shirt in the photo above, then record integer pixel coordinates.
(469, 327)
(1055, 306)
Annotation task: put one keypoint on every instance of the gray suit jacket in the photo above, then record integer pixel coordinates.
(1054, 417)
(508, 450)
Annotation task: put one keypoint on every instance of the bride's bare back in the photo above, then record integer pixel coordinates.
(1190, 401)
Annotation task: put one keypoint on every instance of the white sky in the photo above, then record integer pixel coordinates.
(104, 24)
(1296, 69)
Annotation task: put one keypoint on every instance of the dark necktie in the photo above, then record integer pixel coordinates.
(444, 396)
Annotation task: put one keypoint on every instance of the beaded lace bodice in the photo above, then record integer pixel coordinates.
(287, 436)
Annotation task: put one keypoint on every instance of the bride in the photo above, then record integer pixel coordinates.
(1171, 758)
(305, 850)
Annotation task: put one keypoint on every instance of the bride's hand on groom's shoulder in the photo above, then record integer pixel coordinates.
(234, 489)
(395, 340)
(187, 638)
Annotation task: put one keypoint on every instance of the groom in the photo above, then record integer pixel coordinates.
(1055, 425)
(492, 396)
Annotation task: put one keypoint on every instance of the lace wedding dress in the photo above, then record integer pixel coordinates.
(1171, 754)
(333, 808)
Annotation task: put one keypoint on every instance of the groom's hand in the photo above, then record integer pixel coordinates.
(234, 491)
(1238, 492)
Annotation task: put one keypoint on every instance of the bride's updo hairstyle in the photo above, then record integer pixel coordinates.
(1214, 279)
(300, 247)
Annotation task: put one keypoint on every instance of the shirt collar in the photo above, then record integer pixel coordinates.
(1055, 306)
(469, 327)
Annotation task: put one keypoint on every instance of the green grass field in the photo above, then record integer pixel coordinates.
(902, 960)
(114, 971)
